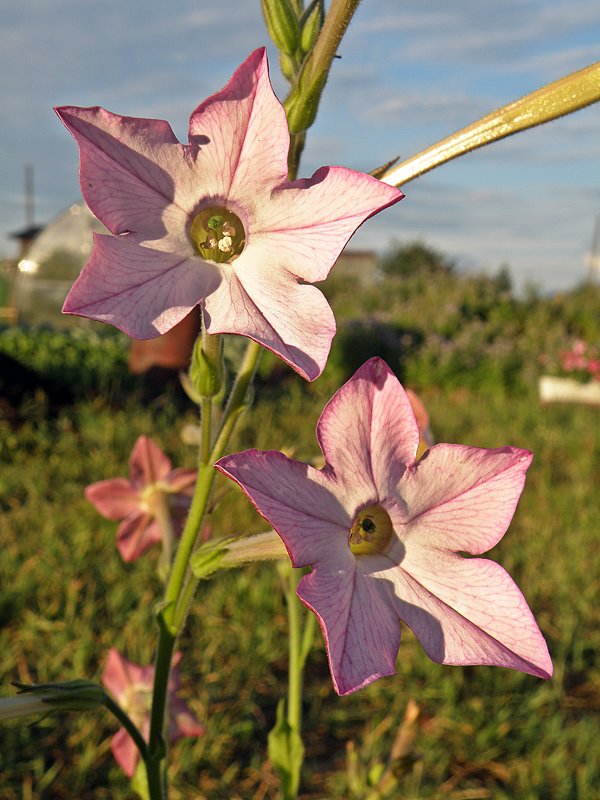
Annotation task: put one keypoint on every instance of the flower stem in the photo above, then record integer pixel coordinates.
(181, 587)
(294, 709)
(205, 423)
(302, 103)
(125, 720)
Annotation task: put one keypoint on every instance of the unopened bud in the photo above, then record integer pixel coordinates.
(302, 104)
(310, 25)
(43, 698)
(231, 552)
(288, 66)
(206, 367)
(282, 25)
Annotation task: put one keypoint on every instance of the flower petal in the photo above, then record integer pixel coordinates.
(142, 291)
(147, 462)
(468, 611)
(361, 629)
(116, 676)
(134, 174)
(307, 223)
(136, 535)
(114, 498)
(298, 502)
(246, 128)
(182, 722)
(266, 304)
(125, 752)
(181, 481)
(368, 432)
(463, 498)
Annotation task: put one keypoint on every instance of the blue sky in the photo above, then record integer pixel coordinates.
(411, 72)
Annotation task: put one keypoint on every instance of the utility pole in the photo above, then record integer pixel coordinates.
(593, 258)
(29, 197)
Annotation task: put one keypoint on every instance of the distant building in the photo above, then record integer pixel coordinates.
(51, 258)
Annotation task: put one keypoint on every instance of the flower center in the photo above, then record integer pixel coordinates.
(371, 531)
(137, 702)
(217, 234)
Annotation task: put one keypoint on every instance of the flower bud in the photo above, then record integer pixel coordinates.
(206, 368)
(287, 66)
(234, 551)
(310, 25)
(282, 25)
(302, 104)
(43, 698)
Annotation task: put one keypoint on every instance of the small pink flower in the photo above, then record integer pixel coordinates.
(131, 686)
(215, 223)
(384, 534)
(138, 500)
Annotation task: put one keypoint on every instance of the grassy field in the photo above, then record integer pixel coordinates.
(461, 733)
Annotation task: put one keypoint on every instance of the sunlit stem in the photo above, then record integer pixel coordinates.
(568, 94)
(334, 27)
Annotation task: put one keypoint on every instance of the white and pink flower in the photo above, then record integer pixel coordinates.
(131, 686)
(216, 222)
(153, 488)
(385, 535)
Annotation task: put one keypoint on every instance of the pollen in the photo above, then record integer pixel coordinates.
(371, 531)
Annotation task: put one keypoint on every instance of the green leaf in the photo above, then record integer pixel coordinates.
(286, 751)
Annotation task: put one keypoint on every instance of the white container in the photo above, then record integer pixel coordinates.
(566, 390)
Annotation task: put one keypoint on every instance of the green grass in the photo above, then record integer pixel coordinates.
(481, 732)
(472, 350)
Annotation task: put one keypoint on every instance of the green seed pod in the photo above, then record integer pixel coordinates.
(282, 25)
(310, 25)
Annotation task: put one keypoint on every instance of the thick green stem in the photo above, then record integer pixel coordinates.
(336, 23)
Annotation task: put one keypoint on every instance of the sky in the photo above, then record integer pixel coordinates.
(410, 73)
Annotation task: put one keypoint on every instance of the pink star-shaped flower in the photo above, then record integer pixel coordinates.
(139, 500)
(131, 686)
(215, 223)
(385, 533)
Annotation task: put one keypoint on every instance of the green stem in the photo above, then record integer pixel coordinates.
(334, 27)
(206, 430)
(302, 103)
(181, 587)
(126, 721)
(296, 147)
(294, 709)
